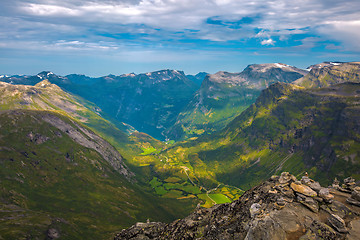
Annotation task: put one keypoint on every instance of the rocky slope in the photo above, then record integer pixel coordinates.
(223, 96)
(87, 138)
(330, 73)
(280, 208)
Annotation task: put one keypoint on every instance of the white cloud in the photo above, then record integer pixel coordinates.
(61, 46)
(276, 19)
(268, 42)
(69, 45)
(347, 32)
(50, 10)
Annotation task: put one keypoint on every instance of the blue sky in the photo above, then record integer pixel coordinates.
(101, 37)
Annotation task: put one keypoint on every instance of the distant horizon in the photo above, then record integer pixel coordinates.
(100, 37)
(137, 73)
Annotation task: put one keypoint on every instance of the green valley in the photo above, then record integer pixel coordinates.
(65, 160)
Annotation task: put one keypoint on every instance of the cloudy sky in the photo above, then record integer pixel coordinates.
(99, 37)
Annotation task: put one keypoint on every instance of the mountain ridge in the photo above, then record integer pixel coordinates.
(147, 101)
(223, 95)
(328, 73)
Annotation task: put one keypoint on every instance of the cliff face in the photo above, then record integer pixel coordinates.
(280, 208)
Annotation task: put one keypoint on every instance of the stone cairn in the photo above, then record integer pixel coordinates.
(311, 194)
(349, 186)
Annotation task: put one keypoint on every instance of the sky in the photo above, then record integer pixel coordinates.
(101, 37)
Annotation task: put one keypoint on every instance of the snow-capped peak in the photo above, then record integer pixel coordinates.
(281, 65)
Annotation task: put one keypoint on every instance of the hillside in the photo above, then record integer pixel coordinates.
(54, 168)
(47, 96)
(59, 178)
(223, 96)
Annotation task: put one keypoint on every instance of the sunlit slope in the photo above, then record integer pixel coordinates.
(223, 96)
(289, 128)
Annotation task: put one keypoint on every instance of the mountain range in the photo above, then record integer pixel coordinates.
(149, 102)
(71, 142)
(290, 128)
(223, 95)
(168, 104)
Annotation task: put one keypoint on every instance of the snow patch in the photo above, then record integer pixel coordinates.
(334, 63)
(39, 76)
(281, 65)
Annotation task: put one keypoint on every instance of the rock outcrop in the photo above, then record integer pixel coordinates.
(280, 208)
(89, 139)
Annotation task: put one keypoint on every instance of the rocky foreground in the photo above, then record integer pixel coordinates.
(280, 208)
